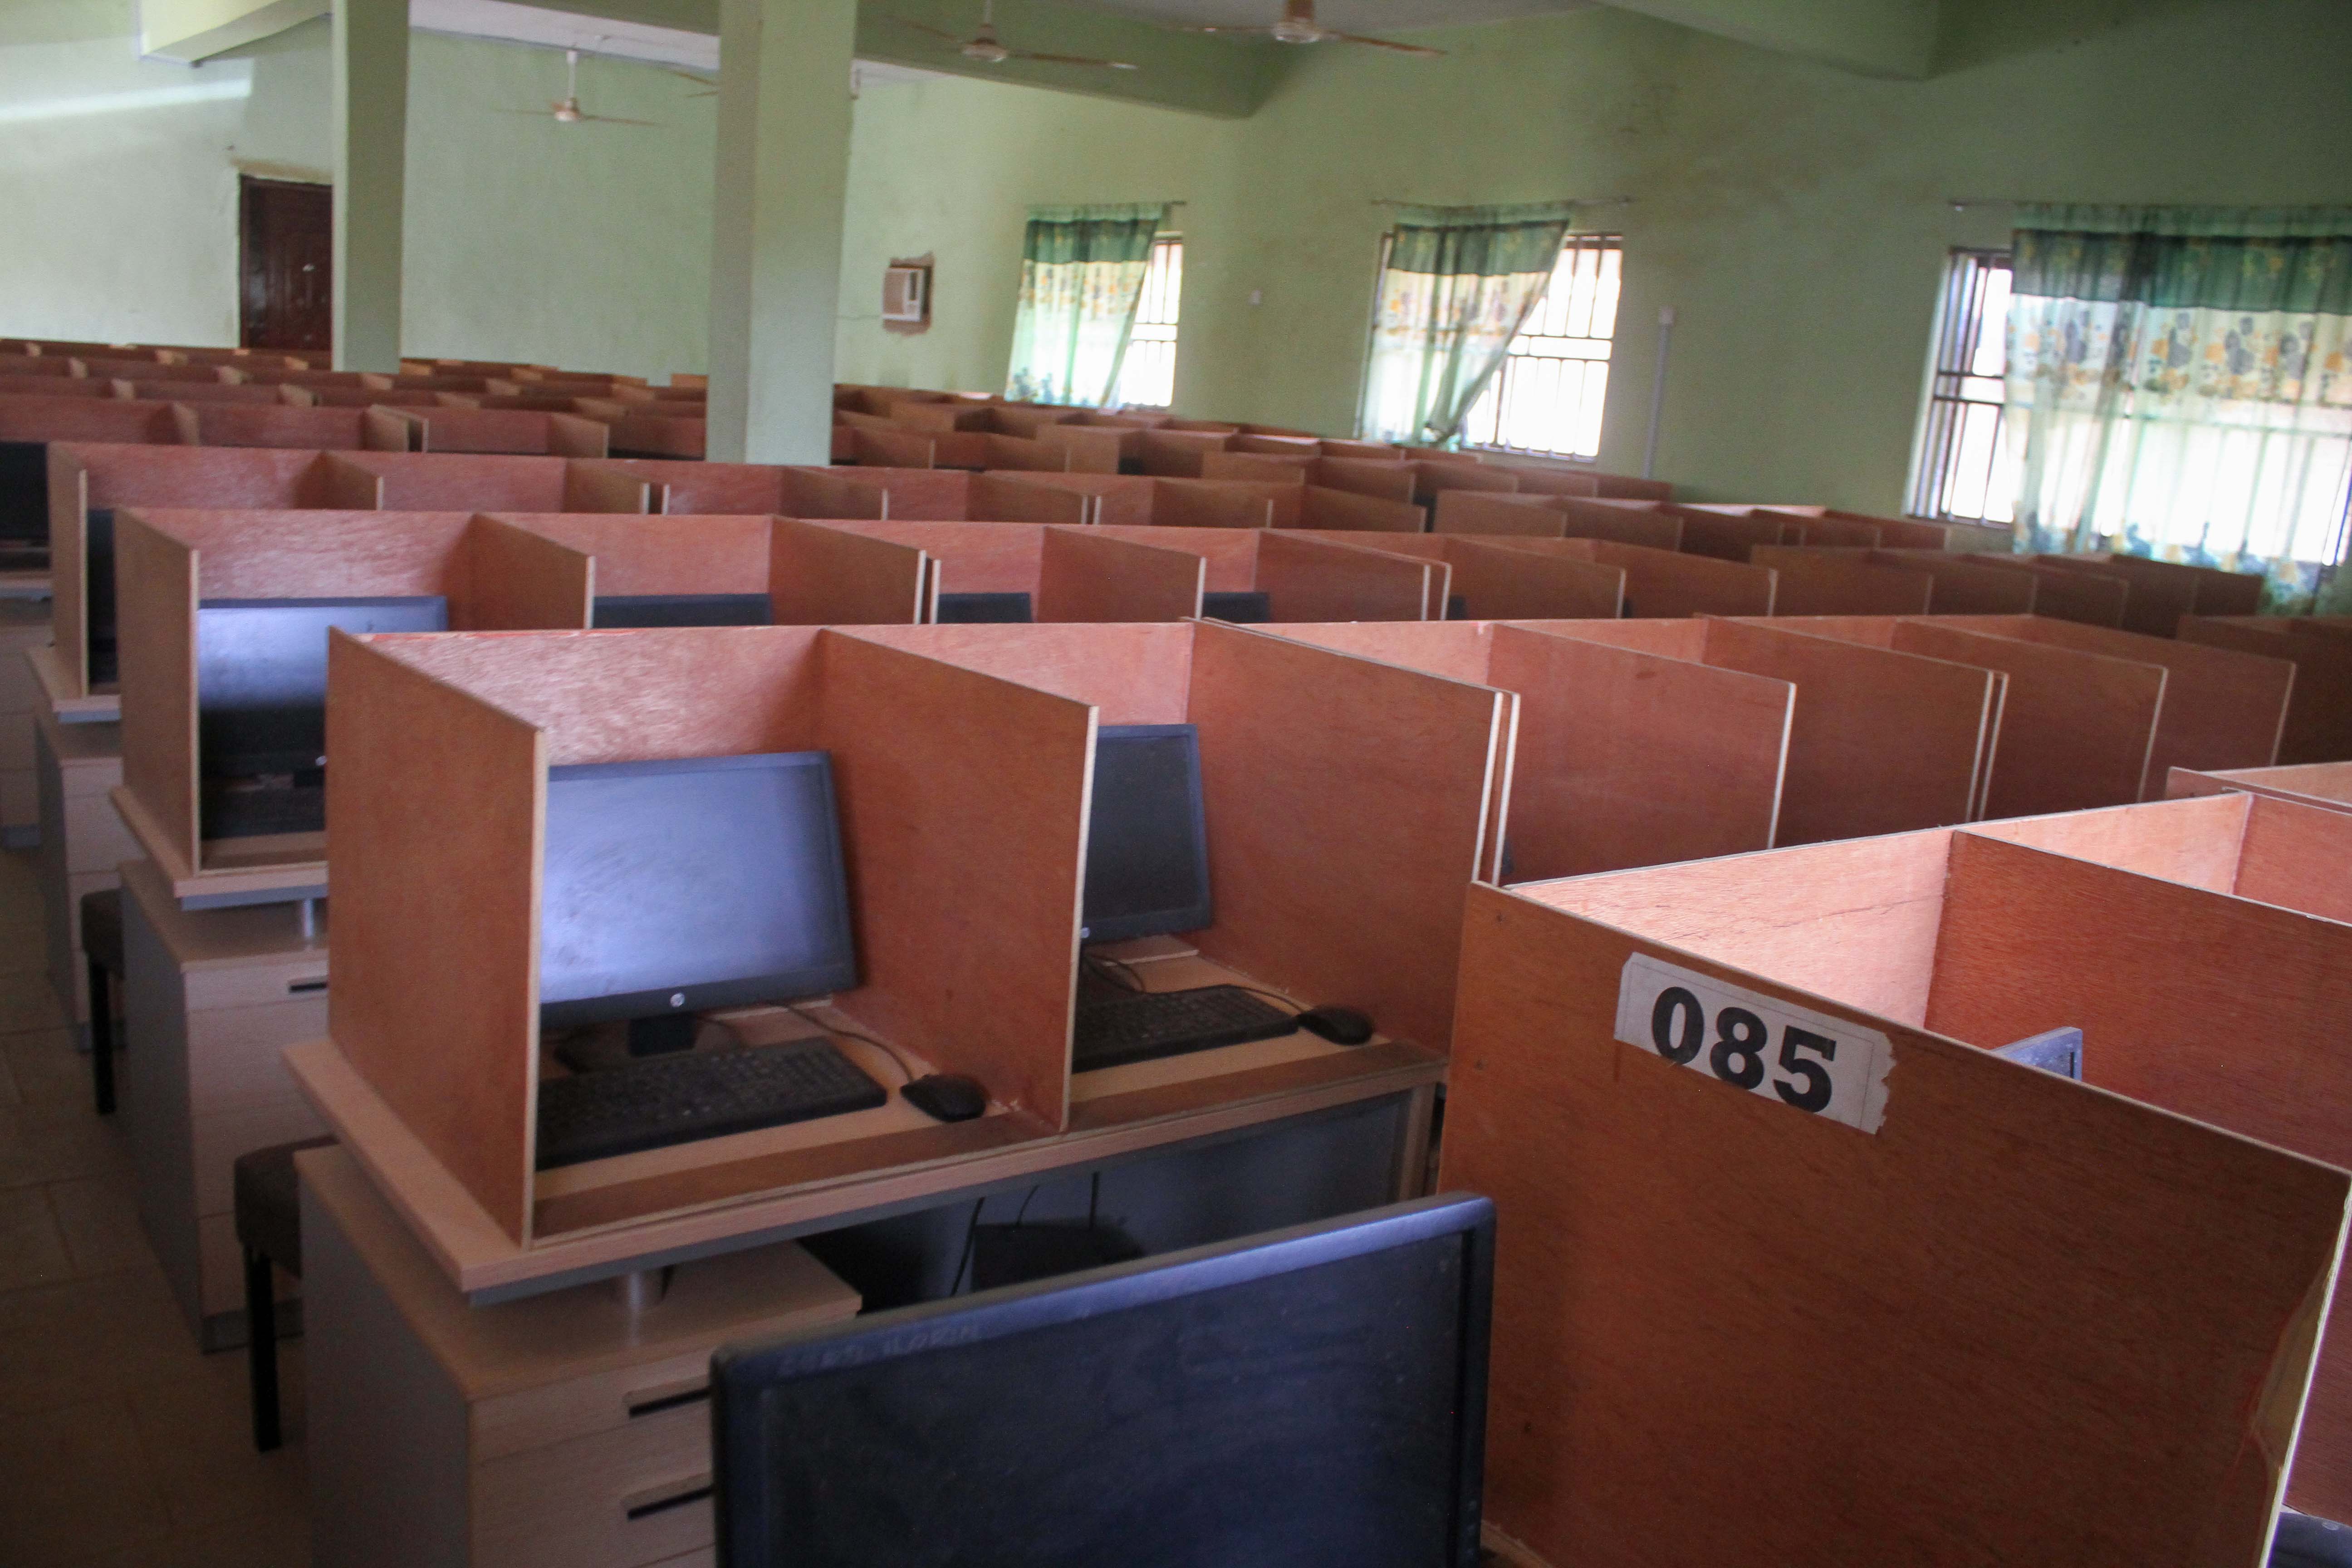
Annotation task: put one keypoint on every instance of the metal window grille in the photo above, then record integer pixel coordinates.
(1147, 377)
(1546, 396)
(1963, 471)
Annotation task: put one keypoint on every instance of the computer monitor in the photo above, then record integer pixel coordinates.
(1312, 1398)
(984, 609)
(24, 494)
(706, 882)
(681, 610)
(1244, 609)
(97, 588)
(261, 675)
(1147, 835)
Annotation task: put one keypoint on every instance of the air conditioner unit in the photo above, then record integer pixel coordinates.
(906, 294)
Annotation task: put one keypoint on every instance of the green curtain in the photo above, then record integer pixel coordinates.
(1458, 285)
(1081, 275)
(2180, 386)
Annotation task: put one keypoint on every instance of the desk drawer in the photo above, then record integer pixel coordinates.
(299, 977)
(582, 1406)
(237, 1056)
(96, 838)
(621, 1499)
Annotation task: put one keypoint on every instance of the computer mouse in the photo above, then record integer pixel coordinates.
(947, 1096)
(1340, 1026)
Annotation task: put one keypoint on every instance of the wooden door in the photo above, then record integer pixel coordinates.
(287, 244)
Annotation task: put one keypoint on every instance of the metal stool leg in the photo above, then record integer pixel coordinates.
(261, 1333)
(101, 1037)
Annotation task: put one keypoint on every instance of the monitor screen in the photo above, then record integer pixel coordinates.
(24, 492)
(980, 609)
(1313, 1398)
(682, 610)
(714, 880)
(1147, 835)
(261, 675)
(1246, 610)
(97, 588)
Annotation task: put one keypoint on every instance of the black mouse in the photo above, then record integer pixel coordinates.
(1340, 1026)
(947, 1096)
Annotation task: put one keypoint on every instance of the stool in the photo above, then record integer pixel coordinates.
(101, 944)
(269, 1228)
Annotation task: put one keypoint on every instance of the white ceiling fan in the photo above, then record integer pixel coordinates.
(566, 111)
(1299, 26)
(984, 48)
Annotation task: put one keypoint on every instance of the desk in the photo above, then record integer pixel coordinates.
(83, 840)
(558, 1431)
(209, 1000)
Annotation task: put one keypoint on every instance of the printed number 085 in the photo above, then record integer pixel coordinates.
(1678, 1028)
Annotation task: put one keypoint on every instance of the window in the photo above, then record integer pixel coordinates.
(1147, 377)
(1965, 470)
(1548, 395)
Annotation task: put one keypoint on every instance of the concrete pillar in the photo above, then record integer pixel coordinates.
(371, 113)
(775, 255)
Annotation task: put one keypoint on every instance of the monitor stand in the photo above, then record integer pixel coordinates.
(596, 1046)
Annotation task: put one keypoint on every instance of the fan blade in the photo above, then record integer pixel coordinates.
(533, 113)
(927, 28)
(1073, 60)
(1382, 44)
(690, 76)
(1205, 28)
(616, 120)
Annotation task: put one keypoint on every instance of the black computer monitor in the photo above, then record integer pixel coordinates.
(984, 609)
(1147, 835)
(24, 494)
(1242, 608)
(674, 885)
(98, 590)
(261, 675)
(681, 610)
(1314, 1398)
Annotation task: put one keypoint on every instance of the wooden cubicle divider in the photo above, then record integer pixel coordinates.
(824, 573)
(661, 555)
(1731, 535)
(2164, 591)
(282, 426)
(1880, 741)
(1814, 583)
(736, 490)
(1702, 1277)
(51, 417)
(1433, 475)
(879, 442)
(1318, 580)
(494, 576)
(1386, 481)
(1083, 574)
(1496, 581)
(1965, 585)
(677, 431)
(501, 431)
(1485, 512)
(1624, 758)
(2077, 727)
(2319, 712)
(2324, 784)
(1669, 584)
(1173, 454)
(456, 727)
(2066, 595)
(68, 389)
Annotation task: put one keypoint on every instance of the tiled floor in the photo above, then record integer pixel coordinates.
(120, 1444)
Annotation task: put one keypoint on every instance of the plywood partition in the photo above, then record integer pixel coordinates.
(1178, 454)
(1544, 480)
(463, 481)
(1228, 554)
(317, 429)
(1498, 581)
(876, 446)
(2168, 1024)
(522, 581)
(1348, 803)
(820, 575)
(2319, 710)
(1964, 585)
(1433, 475)
(1003, 498)
(1731, 538)
(51, 417)
(1819, 584)
(509, 432)
(1669, 584)
(1223, 503)
(1083, 575)
(1385, 480)
(638, 555)
(1319, 506)
(1882, 742)
(1700, 1275)
(2064, 593)
(2076, 727)
(598, 486)
(2324, 784)
(1082, 448)
(1309, 580)
(157, 576)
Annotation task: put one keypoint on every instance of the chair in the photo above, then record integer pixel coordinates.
(269, 1227)
(101, 944)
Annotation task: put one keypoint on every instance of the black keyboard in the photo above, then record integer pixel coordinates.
(257, 812)
(654, 1102)
(1141, 1026)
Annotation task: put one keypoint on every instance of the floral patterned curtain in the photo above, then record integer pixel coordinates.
(2180, 386)
(1458, 285)
(1081, 274)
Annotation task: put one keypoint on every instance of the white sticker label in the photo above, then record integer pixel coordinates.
(1825, 1067)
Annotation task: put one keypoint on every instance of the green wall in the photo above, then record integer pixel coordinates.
(1793, 214)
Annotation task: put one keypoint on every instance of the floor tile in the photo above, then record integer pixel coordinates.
(198, 1436)
(48, 1070)
(54, 1143)
(277, 1540)
(86, 1466)
(28, 1003)
(88, 1338)
(99, 1217)
(32, 1248)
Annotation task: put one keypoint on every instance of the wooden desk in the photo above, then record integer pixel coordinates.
(559, 1431)
(210, 1002)
(24, 626)
(82, 838)
(59, 689)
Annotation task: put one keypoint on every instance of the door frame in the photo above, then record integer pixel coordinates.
(246, 186)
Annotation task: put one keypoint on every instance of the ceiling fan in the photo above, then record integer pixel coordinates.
(1299, 26)
(566, 111)
(982, 47)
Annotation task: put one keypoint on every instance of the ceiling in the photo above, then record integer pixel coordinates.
(1346, 16)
